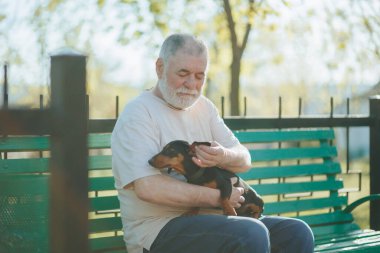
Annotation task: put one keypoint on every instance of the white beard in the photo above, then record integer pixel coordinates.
(170, 95)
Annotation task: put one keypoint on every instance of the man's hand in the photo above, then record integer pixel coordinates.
(235, 159)
(236, 198)
(209, 156)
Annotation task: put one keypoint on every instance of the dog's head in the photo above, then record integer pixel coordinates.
(176, 155)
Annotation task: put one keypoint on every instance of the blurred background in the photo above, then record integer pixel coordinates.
(295, 49)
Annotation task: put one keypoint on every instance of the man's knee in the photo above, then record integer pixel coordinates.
(253, 236)
(303, 234)
(303, 229)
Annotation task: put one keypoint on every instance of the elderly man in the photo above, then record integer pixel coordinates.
(153, 202)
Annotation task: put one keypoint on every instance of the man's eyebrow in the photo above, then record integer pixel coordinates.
(188, 71)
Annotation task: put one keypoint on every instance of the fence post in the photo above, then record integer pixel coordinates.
(69, 174)
(5, 88)
(374, 111)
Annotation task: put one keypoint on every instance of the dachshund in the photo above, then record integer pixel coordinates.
(178, 155)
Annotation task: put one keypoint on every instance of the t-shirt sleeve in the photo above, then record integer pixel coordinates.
(134, 141)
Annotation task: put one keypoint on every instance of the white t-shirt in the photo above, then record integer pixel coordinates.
(146, 125)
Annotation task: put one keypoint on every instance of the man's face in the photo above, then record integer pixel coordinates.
(182, 79)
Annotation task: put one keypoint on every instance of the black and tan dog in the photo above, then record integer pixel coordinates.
(178, 155)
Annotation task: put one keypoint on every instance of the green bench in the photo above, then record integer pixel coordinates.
(296, 172)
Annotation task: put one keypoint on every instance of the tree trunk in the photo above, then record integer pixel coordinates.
(237, 53)
(235, 87)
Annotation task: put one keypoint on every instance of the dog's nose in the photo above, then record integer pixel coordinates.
(151, 162)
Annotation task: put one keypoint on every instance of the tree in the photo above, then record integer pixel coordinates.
(143, 20)
(230, 27)
(237, 48)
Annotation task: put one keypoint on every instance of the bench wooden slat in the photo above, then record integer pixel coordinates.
(259, 155)
(97, 141)
(100, 162)
(106, 203)
(101, 183)
(355, 241)
(366, 245)
(41, 165)
(353, 247)
(354, 235)
(281, 136)
(351, 243)
(304, 205)
(108, 244)
(24, 165)
(24, 143)
(98, 225)
(297, 170)
(334, 229)
(285, 188)
(41, 143)
(18, 185)
(327, 218)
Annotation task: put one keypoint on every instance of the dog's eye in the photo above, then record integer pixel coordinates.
(172, 151)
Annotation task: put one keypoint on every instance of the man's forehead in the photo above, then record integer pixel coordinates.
(192, 49)
(184, 52)
(182, 60)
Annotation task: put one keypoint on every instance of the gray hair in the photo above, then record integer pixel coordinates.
(187, 42)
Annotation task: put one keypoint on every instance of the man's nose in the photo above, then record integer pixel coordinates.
(191, 82)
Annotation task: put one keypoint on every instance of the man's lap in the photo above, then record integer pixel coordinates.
(206, 233)
(218, 233)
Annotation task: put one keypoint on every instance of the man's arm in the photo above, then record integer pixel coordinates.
(164, 190)
(236, 159)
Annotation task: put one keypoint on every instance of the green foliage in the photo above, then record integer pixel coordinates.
(53, 4)
(157, 8)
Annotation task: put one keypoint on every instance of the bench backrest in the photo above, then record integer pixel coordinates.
(294, 170)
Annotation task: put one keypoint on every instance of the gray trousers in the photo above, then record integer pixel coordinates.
(230, 234)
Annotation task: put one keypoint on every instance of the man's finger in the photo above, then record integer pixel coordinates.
(241, 190)
(197, 161)
(234, 180)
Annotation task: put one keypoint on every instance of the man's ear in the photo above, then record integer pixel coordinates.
(160, 68)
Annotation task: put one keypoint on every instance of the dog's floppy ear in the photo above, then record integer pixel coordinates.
(198, 143)
(192, 149)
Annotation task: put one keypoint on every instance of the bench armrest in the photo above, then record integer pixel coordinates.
(360, 201)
